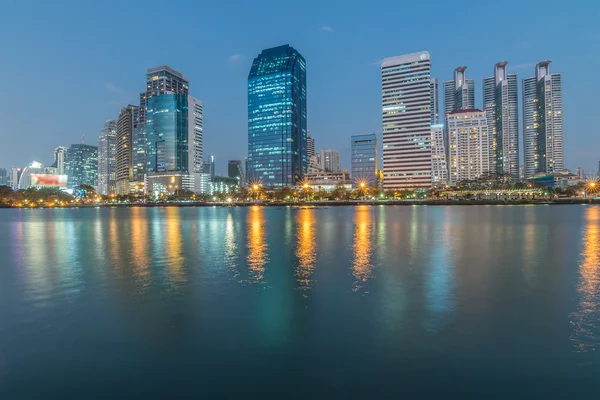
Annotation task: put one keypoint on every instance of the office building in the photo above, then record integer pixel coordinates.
(107, 158)
(364, 159)
(328, 181)
(208, 166)
(329, 159)
(406, 103)
(469, 147)
(4, 178)
(195, 132)
(542, 122)
(126, 126)
(580, 172)
(15, 175)
(435, 116)
(459, 93)
(82, 165)
(235, 170)
(161, 80)
(224, 184)
(277, 133)
(310, 146)
(500, 102)
(439, 167)
(59, 158)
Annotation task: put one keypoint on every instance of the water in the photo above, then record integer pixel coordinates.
(345, 302)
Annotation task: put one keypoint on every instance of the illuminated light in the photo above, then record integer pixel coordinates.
(229, 200)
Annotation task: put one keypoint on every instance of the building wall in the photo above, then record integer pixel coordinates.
(364, 159)
(439, 167)
(277, 134)
(126, 125)
(82, 165)
(469, 147)
(406, 114)
(107, 158)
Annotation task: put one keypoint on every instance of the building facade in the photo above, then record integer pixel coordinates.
(364, 159)
(82, 165)
(15, 175)
(235, 170)
(406, 115)
(126, 126)
(329, 159)
(500, 100)
(277, 133)
(59, 158)
(161, 80)
(310, 146)
(459, 93)
(439, 167)
(107, 158)
(469, 147)
(542, 122)
(435, 110)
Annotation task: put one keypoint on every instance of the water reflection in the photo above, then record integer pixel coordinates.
(139, 248)
(257, 245)
(586, 336)
(174, 248)
(306, 249)
(362, 247)
(231, 255)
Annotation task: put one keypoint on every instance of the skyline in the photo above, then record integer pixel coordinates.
(343, 78)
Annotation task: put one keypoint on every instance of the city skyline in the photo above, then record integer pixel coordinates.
(221, 85)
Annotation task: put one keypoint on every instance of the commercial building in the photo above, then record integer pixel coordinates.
(406, 114)
(82, 165)
(208, 166)
(107, 158)
(310, 146)
(277, 133)
(164, 183)
(60, 158)
(4, 181)
(235, 170)
(435, 113)
(329, 159)
(15, 175)
(439, 166)
(161, 80)
(126, 126)
(469, 146)
(542, 122)
(328, 181)
(364, 159)
(500, 101)
(459, 93)
(224, 184)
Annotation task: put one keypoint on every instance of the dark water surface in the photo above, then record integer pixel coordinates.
(340, 302)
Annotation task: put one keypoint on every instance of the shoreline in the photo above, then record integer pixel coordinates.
(567, 201)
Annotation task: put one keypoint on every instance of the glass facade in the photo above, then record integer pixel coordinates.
(277, 132)
(167, 133)
(364, 159)
(82, 165)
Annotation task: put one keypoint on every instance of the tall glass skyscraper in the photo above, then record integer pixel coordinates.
(459, 93)
(82, 165)
(277, 135)
(542, 121)
(364, 159)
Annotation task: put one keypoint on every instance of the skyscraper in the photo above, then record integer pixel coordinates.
(468, 142)
(459, 93)
(310, 146)
(195, 132)
(435, 116)
(107, 158)
(3, 177)
(82, 165)
(60, 159)
(439, 166)
(277, 135)
(330, 160)
(235, 170)
(542, 122)
(364, 159)
(208, 166)
(500, 102)
(126, 125)
(406, 103)
(161, 80)
(15, 175)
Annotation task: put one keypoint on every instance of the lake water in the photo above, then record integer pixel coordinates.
(344, 302)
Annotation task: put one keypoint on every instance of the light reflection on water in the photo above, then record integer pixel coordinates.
(362, 267)
(586, 319)
(306, 249)
(257, 245)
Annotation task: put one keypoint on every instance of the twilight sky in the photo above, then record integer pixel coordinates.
(69, 65)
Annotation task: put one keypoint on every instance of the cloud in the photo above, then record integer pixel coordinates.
(111, 87)
(327, 28)
(235, 58)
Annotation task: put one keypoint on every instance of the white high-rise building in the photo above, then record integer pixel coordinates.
(194, 135)
(469, 147)
(60, 158)
(107, 158)
(329, 159)
(459, 93)
(500, 100)
(310, 146)
(439, 167)
(406, 112)
(542, 122)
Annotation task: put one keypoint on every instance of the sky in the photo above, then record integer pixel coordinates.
(68, 66)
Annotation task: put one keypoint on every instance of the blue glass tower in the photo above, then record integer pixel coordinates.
(167, 133)
(277, 117)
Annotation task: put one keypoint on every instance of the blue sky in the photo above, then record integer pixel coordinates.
(68, 66)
